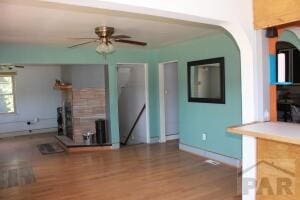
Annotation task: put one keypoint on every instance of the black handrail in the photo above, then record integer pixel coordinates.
(133, 126)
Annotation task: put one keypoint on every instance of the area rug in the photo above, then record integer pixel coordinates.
(16, 176)
(50, 148)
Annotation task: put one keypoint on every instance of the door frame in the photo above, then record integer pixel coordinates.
(146, 68)
(162, 111)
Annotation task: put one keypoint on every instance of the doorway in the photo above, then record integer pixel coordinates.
(168, 88)
(133, 103)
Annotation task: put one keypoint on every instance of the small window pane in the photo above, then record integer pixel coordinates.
(6, 85)
(6, 104)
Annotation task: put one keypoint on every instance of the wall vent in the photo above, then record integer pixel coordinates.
(212, 162)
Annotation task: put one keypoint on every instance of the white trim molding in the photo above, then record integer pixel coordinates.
(162, 111)
(172, 137)
(154, 140)
(211, 155)
(249, 162)
(147, 102)
(115, 146)
(295, 30)
(161, 74)
(34, 131)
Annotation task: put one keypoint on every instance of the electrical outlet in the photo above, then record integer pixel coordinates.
(203, 136)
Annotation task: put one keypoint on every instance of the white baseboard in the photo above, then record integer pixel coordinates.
(172, 137)
(35, 131)
(154, 140)
(211, 155)
(136, 140)
(10, 126)
(115, 146)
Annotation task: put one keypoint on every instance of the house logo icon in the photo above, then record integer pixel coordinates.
(275, 177)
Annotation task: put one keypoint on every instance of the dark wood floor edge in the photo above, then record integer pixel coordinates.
(81, 145)
(83, 148)
(62, 144)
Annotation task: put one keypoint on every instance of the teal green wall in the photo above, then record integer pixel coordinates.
(212, 119)
(195, 118)
(51, 54)
(290, 37)
(131, 56)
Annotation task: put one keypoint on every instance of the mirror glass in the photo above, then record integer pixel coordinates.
(206, 80)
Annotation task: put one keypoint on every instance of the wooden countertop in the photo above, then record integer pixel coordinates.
(277, 131)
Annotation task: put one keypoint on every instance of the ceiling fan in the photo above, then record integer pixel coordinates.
(5, 67)
(106, 38)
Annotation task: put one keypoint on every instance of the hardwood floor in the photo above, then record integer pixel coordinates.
(158, 171)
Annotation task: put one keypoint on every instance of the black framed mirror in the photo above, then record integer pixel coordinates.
(206, 81)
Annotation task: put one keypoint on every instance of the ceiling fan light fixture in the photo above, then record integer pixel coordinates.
(105, 39)
(105, 48)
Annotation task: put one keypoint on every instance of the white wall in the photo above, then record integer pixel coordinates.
(35, 98)
(131, 84)
(84, 76)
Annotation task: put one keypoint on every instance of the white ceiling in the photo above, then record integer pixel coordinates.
(40, 22)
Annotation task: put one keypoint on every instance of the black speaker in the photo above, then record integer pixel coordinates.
(271, 32)
(101, 133)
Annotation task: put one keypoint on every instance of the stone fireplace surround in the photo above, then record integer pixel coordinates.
(88, 105)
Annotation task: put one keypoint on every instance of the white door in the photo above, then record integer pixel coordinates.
(171, 98)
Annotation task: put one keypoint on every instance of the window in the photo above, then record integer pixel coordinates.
(7, 97)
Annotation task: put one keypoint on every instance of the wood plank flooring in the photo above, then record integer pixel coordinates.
(158, 171)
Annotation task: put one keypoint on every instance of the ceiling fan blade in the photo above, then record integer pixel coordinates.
(19, 66)
(84, 38)
(120, 36)
(76, 45)
(131, 42)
